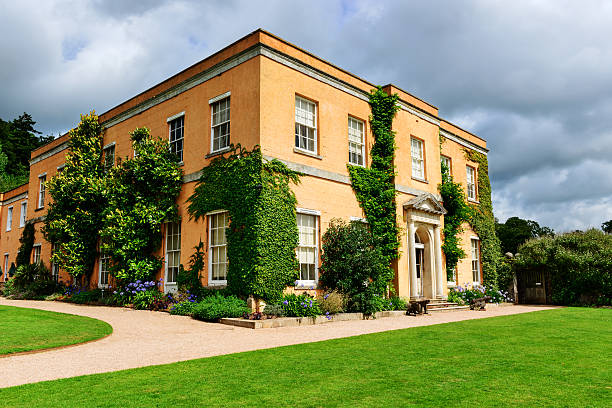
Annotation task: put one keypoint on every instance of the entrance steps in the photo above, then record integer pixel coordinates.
(440, 305)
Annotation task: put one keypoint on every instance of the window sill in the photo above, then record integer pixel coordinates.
(181, 163)
(420, 180)
(471, 200)
(218, 152)
(451, 284)
(307, 153)
(356, 165)
(306, 285)
(39, 209)
(217, 284)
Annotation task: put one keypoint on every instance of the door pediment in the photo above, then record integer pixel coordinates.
(425, 202)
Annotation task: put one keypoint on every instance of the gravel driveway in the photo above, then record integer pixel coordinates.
(141, 338)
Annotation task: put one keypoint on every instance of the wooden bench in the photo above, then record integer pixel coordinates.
(417, 307)
(479, 303)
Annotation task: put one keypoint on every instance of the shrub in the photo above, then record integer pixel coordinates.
(82, 297)
(395, 303)
(300, 306)
(353, 264)
(577, 265)
(331, 302)
(462, 295)
(274, 310)
(31, 281)
(189, 279)
(149, 299)
(127, 294)
(184, 308)
(216, 307)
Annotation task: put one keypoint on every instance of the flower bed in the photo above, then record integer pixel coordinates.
(464, 294)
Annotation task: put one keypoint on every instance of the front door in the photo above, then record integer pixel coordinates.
(420, 251)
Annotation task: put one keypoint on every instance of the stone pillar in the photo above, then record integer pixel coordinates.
(412, 260)
(439, 269)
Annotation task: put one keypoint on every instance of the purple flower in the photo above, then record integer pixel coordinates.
(285, 302)
(326, 296)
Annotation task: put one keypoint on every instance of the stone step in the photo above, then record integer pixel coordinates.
(447, 309)
(435, 305)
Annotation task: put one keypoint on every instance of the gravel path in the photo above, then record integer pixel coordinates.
(141, 338)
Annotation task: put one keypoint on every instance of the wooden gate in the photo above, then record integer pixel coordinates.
(531, 287)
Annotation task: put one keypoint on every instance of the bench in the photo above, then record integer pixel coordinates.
(479, 303)
(417, 307)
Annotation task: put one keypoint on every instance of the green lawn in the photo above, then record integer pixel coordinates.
(23, 329)
(559, 358)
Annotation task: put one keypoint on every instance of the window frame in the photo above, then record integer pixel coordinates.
(54, 265)
(36, 248)
(42, 190)
(105, 150)
(6, 262)
(363, 140)
(172, 119)
(104, 256)
(422, 159)
(211, 281)
(315, 125)
(211, 103)
(450, 163)
(9, 218)
(23, 216)
(172, 283)
(467, 183)
(476, 250)
(309, 283)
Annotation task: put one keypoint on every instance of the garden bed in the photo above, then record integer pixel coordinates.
(305, 321)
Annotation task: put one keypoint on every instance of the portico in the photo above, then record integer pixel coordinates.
(424, 219)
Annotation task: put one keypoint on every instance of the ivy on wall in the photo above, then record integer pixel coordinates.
(374, 187)
(75, 213)
(262, 234)
(458, 212)
(141, 193)
(483, 221)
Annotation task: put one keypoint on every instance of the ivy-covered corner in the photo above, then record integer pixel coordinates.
(483, 221)
(374, 187)
(262, 234)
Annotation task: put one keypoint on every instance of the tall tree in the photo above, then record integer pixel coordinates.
(607, 227)
(516, 231)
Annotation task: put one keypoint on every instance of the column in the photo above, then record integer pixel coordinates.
(438, 254)
(412, 260)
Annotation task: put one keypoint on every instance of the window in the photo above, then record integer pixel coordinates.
(217, 247)
(220, 124)
(471, 183)
(418, 166)
(475, 260)
(103, 270)
(307, 253)
(54, 265)
(305, 125)
(176, 136)
(36, 256)
(6, 257)
(24, 214)
(173, 251)
(446, 162)
(41, 190)
(356, 141)
(9, 219)
(109, 158)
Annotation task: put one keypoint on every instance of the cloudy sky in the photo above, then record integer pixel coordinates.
(534, 78)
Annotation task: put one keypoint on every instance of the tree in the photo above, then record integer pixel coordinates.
(607, 227)
(516, 231)
(75, 213)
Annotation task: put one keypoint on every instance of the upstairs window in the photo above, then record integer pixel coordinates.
(471, 182)
(217, 247)
(109, 158)
(220, 124)
(418, 163)
(24, 214)
(307, 250)
(356, 142)
(305, 125)
(41, 190)
(9, 218)
(445, 162)
(173, 251)
(176, 129)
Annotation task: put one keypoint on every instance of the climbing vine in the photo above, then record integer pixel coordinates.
(483, 221)
(375, 186)
(141, 193)
(262, 234)
(27, 243)
(75, 213)
(458, 212)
